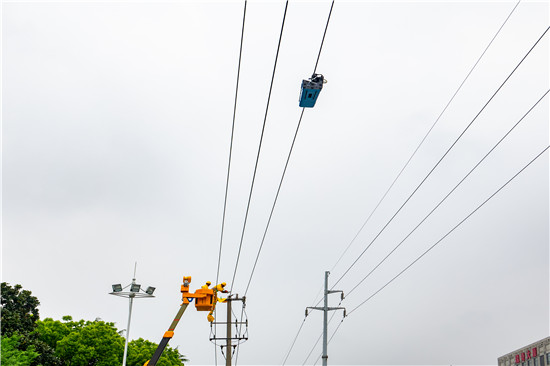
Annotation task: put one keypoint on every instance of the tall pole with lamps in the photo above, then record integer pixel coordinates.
(135, 291)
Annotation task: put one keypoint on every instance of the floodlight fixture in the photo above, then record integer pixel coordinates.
(134, 292)
(135, 287)
(117, 287)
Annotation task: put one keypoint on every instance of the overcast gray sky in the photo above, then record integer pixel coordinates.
(116, 128)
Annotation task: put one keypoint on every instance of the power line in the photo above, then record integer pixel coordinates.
(418, 147)
(294, 341)
(441, 159)
(330, 339)
(323, 40)
(259, 146)
(448, 194)
(286, 164)
(275, 201)
(231, 143)
(229, 160)
(425, 136)
(281, 183)
(414, 152)
(318, 339)
(442, 238)
(453, 229)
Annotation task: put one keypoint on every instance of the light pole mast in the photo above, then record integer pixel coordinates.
(131, 296)
(133, 293)
(325, 309)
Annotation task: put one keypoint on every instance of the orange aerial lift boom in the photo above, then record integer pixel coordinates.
(205, 300)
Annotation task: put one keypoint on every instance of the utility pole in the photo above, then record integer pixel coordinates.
(228, 343)
(229, 323)
(325, 309)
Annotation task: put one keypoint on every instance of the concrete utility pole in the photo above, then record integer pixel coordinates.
(325, 309)
(228, 343)
(229, 323)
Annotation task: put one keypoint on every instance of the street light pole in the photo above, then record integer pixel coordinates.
(133, 293)
(131, 296)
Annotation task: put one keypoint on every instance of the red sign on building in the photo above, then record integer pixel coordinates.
(531, 353)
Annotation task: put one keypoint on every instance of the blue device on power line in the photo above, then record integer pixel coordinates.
(310, 90)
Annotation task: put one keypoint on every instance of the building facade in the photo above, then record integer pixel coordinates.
(535, 354)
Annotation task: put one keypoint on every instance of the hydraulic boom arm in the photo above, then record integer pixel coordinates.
(167, 335)
(206, 299)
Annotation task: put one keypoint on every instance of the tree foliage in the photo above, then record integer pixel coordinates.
(83, 343)
(19, 317)
(19, 310)
(98, 343)
(29, 341)
(52, 331)
(141, 351)
(13, 356)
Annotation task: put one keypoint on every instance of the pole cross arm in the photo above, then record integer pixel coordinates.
(323, 309)
(335, 291)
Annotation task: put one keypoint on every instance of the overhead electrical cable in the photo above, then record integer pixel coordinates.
(419, 145)
(453, 229)
(462, 180)
(229, 161)
(231, 143)
(318, 339)
(425, 136)
(282, 179)
(448, 194)
(259, 148)
(286, 164)
(330, 339)
(274, 202)
(441, 159)
(323, 40)
(416, 150)
(444, 236)
(294, 341)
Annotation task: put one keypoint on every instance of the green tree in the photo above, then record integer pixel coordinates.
(88, 343)
(49, 332)
(141, 351)
(12, 355)
(19, 317)
(52, 331)
(19, 310)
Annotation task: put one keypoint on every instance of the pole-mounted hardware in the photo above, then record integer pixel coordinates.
(325, 309)
(239, 336)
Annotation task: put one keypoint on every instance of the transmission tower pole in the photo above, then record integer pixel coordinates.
(325, 309)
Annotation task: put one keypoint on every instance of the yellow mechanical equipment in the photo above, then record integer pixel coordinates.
(205, 300)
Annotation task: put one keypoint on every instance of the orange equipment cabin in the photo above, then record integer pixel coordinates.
(204, 297)
(204, 303)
